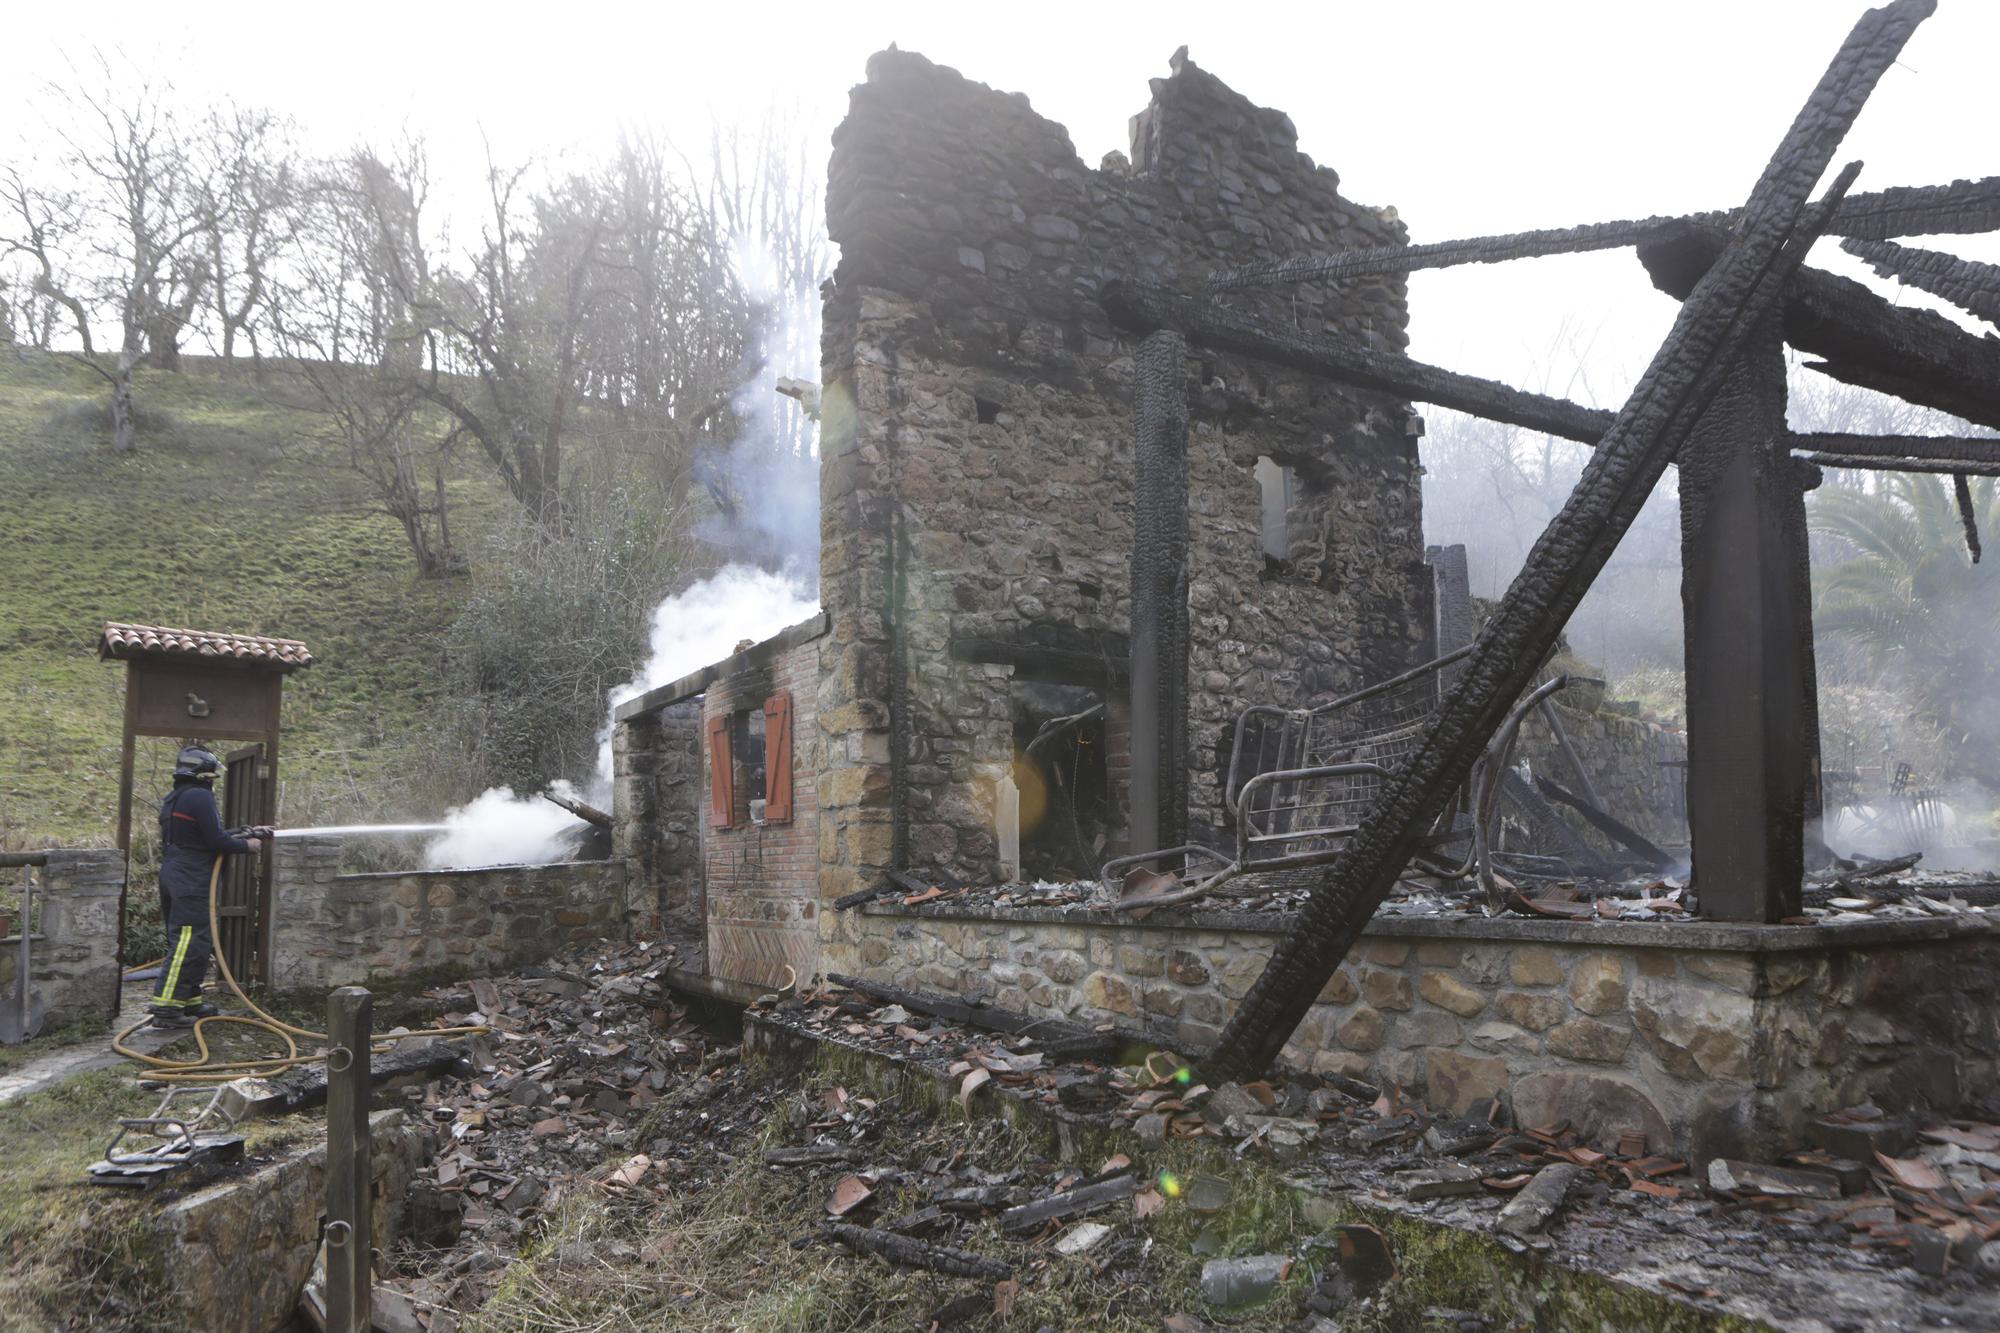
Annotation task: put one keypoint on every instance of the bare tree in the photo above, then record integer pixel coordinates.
(665, 337)
(41, 233)
(350, 343)
(249, 216)
(119, 240)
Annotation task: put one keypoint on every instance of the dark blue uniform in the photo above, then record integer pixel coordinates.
(191, 837)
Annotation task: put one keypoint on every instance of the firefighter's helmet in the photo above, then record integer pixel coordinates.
(195, 762)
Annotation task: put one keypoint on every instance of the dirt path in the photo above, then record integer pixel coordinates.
(62, 1065)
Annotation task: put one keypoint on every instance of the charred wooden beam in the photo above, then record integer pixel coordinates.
(1159, 695)
(1732, 300)
(1968, 518)
(1962, 206)
(1932, 466)
(1147, 307)
(1609, 825)
(1933, 448)
(1917, 355)
(1746, 594)
(583, 810)
(1966, 283)
(909, 1252)
(1051, 652)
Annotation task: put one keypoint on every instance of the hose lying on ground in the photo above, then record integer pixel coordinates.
(207, 1069)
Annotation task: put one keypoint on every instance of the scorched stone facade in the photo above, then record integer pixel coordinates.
(977, 459)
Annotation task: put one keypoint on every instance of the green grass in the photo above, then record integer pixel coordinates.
(233, 513)
(77, 1255)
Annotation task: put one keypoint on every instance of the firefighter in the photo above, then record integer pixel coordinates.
(191, 837)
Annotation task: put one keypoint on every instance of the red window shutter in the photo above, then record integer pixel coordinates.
(721, 773)
(778, 757)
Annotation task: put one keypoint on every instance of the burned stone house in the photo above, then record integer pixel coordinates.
(977, 506)
(963, 708)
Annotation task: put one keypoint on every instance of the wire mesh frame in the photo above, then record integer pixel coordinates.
(1300, 779)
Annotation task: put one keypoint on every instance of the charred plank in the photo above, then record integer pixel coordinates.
(1962, 206)
(1609, 825)
(1933, 448)
(1146, 307)
(1932, 466)
(1966, 283)
(1079, 1202)
(909, 1252)
(1917, 355)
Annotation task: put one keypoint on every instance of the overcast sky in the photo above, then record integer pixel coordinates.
(1470, 116)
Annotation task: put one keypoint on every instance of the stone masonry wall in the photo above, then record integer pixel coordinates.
(74, 958)
(657, 794)
(336, 930)
(242, 1250)
(976, 441)
(1637, 765)
(1712, 1040)
(762, 880)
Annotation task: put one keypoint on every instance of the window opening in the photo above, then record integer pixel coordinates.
(1062, 772)
(749, 726)
(1275, 482)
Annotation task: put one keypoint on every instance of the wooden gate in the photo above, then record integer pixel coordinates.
(243, 899)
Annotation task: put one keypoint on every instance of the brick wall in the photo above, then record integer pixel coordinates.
(762, 880)
(336, 930)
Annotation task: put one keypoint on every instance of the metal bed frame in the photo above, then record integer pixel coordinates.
(1301, 779)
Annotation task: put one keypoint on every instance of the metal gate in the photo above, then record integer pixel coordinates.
(243, 899)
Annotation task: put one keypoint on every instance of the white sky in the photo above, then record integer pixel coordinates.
(1470, 116)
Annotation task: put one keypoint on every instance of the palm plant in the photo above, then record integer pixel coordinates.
(1921, 617)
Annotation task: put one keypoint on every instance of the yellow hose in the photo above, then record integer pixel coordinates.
(162, 1070)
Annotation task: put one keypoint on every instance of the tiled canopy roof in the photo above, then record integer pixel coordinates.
(154, 641)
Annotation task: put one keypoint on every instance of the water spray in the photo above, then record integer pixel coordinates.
(354, 830)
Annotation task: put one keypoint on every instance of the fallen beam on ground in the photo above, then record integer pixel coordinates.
(1079, 1202)
(1731, 300)
(912, 1253)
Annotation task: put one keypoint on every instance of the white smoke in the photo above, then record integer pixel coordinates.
(499, 828)
(691, 630)
(767, 486)
(703, 625)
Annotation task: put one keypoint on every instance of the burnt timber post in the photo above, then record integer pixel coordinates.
(1752, 714)
(1159, 596)
(349, 1174)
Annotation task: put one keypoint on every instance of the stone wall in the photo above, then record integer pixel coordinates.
(657, 796)
(240, 1252)
(337, 930)
(73, 956)
(1638, 766)
(1710, 1039)
(976, 480)
(762, 878)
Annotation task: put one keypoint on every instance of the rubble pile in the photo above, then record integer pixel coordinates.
(1877, 1192)
(1844, 892)
(592, 1079)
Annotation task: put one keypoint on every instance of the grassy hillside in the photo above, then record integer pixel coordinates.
(231, 515)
